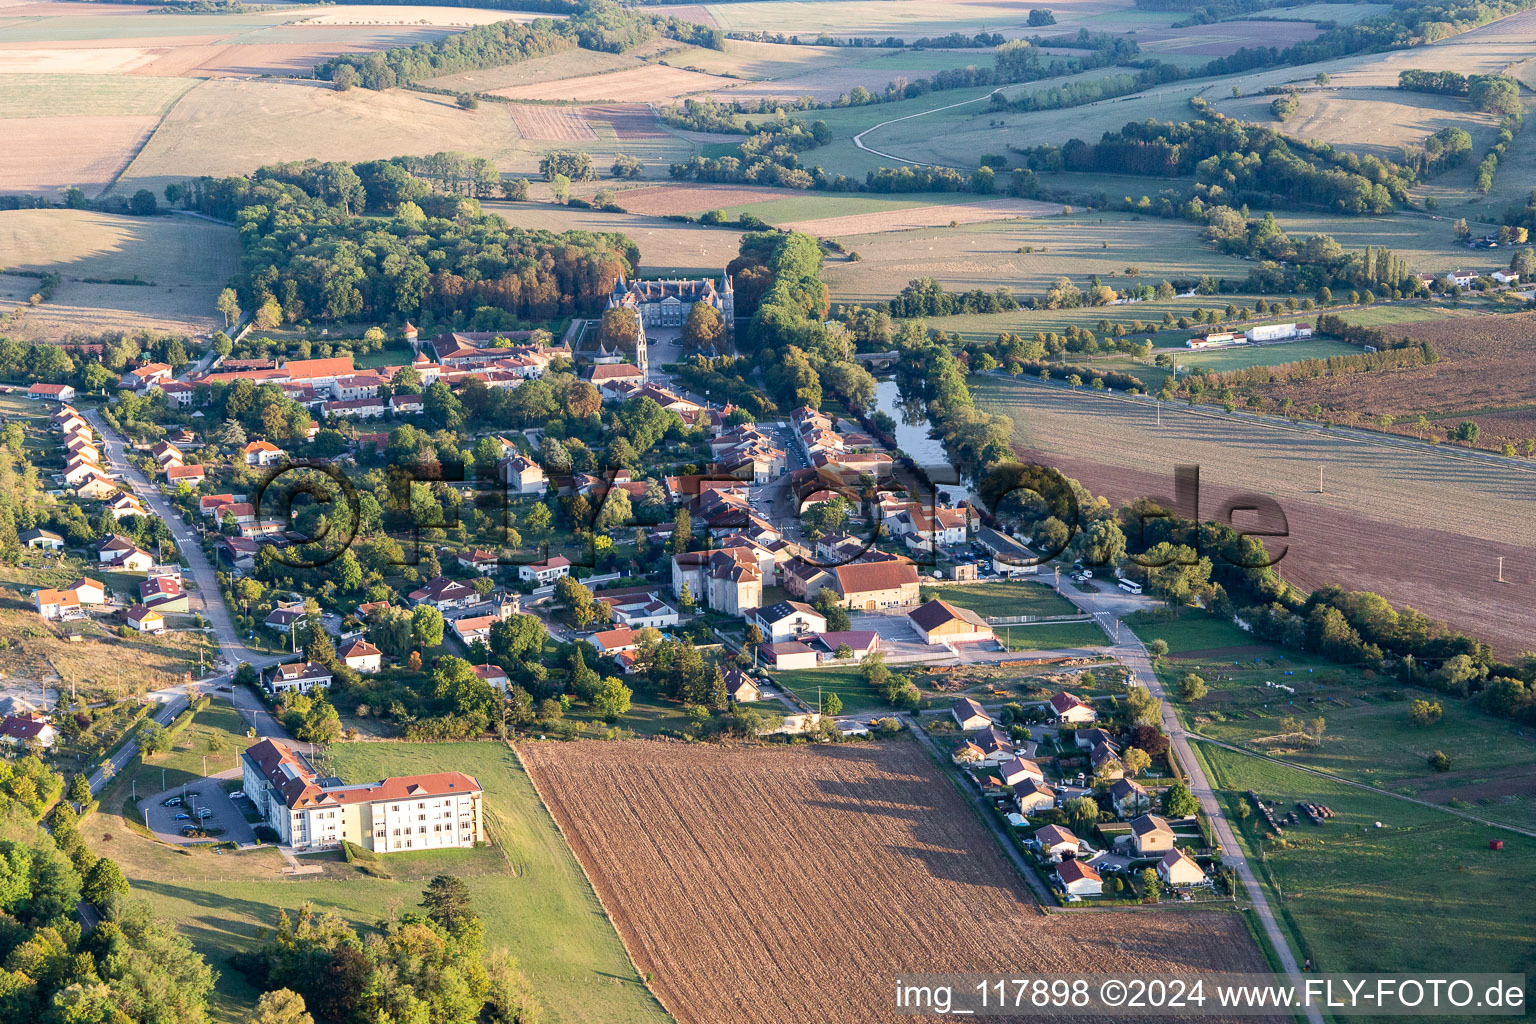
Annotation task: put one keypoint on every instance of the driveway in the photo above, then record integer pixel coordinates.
(207, 794)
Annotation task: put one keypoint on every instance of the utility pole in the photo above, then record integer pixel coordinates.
(1501, 569)
(1320, 481)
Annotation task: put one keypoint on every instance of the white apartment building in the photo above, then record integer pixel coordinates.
(310, 812)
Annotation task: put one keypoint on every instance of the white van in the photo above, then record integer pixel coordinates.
(1130, 586)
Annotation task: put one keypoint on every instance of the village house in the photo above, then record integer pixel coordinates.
(1071, 710)
(1077, 878)
(639, 609)
(494, 675)
(1057, 843)
(24, 730)
(612, 641)
(1129, 798)
(479, 560)
(166, 454)
(444, 594)
(1009, 557)
(302, 676)
(122, 553)
(308, 812)
(79, 469)
(361, 656)
(51, 392)
(608, 378)
(57, 605)
(1106, 762)
(742, 688)
(994, 744)
(283, 618)
(193, 475)
(89, 591)
(474, 627)
(406, 405)
(355, 409)
(261, 453)
(145, 620)
(125, 505)
(546, 572)
(861, 643)
(1030, 797)
(1179, 868)
(147, 376)
(164, 595)
(523, 476)
(41, 540)
(1150, 834)
(789, 619)
(1016, 770)
(969, 714)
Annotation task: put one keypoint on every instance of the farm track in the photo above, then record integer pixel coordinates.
(792, 884)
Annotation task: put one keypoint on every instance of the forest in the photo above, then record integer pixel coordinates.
(313, 250)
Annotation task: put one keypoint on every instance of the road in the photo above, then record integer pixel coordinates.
(1129, 650)
(858, 140)
(206, 599)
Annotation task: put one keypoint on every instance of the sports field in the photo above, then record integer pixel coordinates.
(529, 889)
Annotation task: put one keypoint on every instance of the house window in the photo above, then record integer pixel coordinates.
(422, 830)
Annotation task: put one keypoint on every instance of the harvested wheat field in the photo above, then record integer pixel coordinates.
(231, 126)
(551, 67)
(786, 885)
(923, 217)
(1420, 526)
(1487, 365)
(552, 123)
(51, 154)
(664, 200)
(647, 84)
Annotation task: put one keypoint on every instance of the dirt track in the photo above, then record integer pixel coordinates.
(786, 885)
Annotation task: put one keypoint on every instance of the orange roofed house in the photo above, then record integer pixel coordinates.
(309, 811)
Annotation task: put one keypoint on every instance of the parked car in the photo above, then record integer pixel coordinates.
(174, 801)
(237, 794)
(183, 817)
(204, 813)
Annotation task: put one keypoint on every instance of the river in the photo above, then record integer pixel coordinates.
(913, 437)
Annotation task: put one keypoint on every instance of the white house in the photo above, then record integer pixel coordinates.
(1179, 868)
(546, 571)
(1079, 879)
(1034, 796)
(298, 675)
(1071, 709)
(88, 591)
(57, 605)
(146, 620)
(1016, 770)
(262, 453)
(44, 540)
(523, 476)
(22, 730)
(1056, 843)
(789, 619)
(969, 714)
(361, 656)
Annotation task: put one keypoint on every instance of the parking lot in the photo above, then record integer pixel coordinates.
(203, 794)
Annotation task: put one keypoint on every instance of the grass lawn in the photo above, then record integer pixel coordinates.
(1418, 894)
(535, 900)
(1048, 636)
(845, 681)
(648, 714)
(1001, 598)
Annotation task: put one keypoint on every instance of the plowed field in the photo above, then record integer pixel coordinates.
(789, 885)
